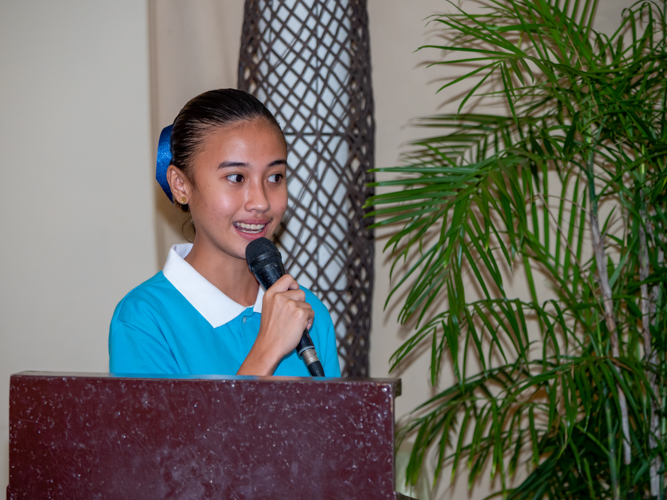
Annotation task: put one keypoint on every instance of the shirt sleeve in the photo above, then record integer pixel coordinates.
(133, 350)
(326, 336)
(330, 361)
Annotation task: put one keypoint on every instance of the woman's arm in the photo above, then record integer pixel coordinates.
(330, 354)
(285, 315)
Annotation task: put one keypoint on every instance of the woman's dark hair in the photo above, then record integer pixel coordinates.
(212, 109)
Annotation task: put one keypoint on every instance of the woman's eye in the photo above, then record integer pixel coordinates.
(235, 178)
(276, 178)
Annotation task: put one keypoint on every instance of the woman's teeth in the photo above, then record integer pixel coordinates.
(249, 228)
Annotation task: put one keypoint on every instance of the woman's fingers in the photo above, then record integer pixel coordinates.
(284, 283)
(285, 313)
(292, 309)
(286, 294)
(298, 296)
(304, 307)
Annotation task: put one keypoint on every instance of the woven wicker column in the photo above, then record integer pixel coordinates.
(309, 62)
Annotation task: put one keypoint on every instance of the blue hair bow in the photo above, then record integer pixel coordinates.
(164, 160)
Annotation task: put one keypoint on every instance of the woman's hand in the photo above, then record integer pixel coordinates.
(285, 315)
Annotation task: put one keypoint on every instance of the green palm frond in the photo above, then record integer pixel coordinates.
(569, 187)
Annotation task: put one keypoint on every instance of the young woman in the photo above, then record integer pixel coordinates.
(205, 313)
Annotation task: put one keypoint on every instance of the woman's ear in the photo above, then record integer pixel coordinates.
(181, 188)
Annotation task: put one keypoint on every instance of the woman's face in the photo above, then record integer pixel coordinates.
(239, 191)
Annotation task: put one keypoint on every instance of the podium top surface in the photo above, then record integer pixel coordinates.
(393, 383)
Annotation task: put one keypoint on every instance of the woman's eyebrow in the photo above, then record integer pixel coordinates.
(236, 164)
(227, 164)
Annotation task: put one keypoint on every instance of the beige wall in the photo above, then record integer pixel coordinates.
(75, 169)
(84, 221)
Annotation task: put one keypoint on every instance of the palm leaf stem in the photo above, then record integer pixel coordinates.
(650, 355)
(605, 288)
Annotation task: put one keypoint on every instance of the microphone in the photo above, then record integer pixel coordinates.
(266, 264)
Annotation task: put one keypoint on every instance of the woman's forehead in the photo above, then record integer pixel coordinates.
(244, 141)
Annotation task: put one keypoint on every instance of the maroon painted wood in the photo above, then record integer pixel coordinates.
(100, 436)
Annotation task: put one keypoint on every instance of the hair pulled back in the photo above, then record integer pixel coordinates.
(212, 109)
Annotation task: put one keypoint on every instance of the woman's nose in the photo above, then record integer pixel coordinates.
(256, 200)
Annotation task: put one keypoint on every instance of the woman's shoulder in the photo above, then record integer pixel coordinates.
(151, 293)
(313, 299)
(322, 315)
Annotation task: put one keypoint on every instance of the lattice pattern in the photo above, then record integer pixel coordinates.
(309, 62)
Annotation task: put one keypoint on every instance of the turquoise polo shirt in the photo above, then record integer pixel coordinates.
(177, 323)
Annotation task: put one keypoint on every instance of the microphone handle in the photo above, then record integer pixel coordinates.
(306, 349)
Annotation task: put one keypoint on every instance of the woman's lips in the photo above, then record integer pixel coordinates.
(249, 228)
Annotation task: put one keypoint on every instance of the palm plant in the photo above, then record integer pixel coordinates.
(568, 187)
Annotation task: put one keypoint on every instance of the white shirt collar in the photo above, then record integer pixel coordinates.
(211, 303)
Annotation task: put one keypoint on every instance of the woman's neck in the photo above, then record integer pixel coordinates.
(230, 275)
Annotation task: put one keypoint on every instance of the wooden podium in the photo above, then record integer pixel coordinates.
(109, 437)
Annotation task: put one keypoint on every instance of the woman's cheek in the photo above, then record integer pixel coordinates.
(282, 204)
(229, 200)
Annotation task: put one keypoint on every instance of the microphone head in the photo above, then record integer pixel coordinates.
(261, 250)
(264, 261)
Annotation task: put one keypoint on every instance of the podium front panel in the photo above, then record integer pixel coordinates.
(108, 437)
